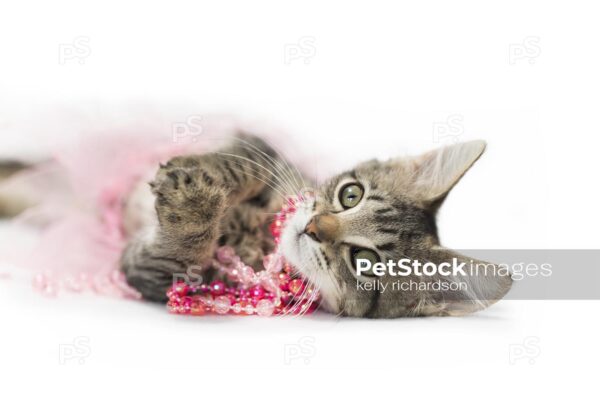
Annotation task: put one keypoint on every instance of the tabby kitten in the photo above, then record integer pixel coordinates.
(378, 211)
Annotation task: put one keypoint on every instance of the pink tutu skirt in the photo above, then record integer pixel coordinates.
(80, 194)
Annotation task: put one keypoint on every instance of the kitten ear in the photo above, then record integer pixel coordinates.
(483, 284)
(436, 172)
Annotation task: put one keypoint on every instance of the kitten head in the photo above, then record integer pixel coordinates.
(383, 211)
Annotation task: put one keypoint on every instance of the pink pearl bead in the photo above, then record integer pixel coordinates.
(257, 292)
(283, 276)
(217, 288)
(233, 274)
(172, 307)
(197, 308)
(187, 305)
(231, 297)
(265, 308)
(247, 274)
(271, 291)
(296, 286)
(271, 285)
(272, 263)
(181, 288)
(222, 305)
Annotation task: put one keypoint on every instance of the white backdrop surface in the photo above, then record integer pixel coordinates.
(349, 81)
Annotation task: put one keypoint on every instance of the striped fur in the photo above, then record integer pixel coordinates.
(226, 198)
(395, 219)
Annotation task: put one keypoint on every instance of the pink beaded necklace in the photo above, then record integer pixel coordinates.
(272, 291)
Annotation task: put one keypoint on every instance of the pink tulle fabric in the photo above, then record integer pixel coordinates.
(82, 191)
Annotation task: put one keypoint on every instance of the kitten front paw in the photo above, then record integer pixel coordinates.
(184, 199)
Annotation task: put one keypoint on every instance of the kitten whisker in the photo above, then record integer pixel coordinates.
(287, 173)
(289, 168)
(282, 182)
(280, 190)
(312, 297)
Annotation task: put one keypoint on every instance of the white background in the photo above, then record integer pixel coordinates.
(378, 79)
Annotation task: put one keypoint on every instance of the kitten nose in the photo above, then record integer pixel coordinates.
(323, 228)
(311, 230)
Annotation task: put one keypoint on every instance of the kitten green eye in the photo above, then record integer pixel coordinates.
(350, 195)
(358, 253)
